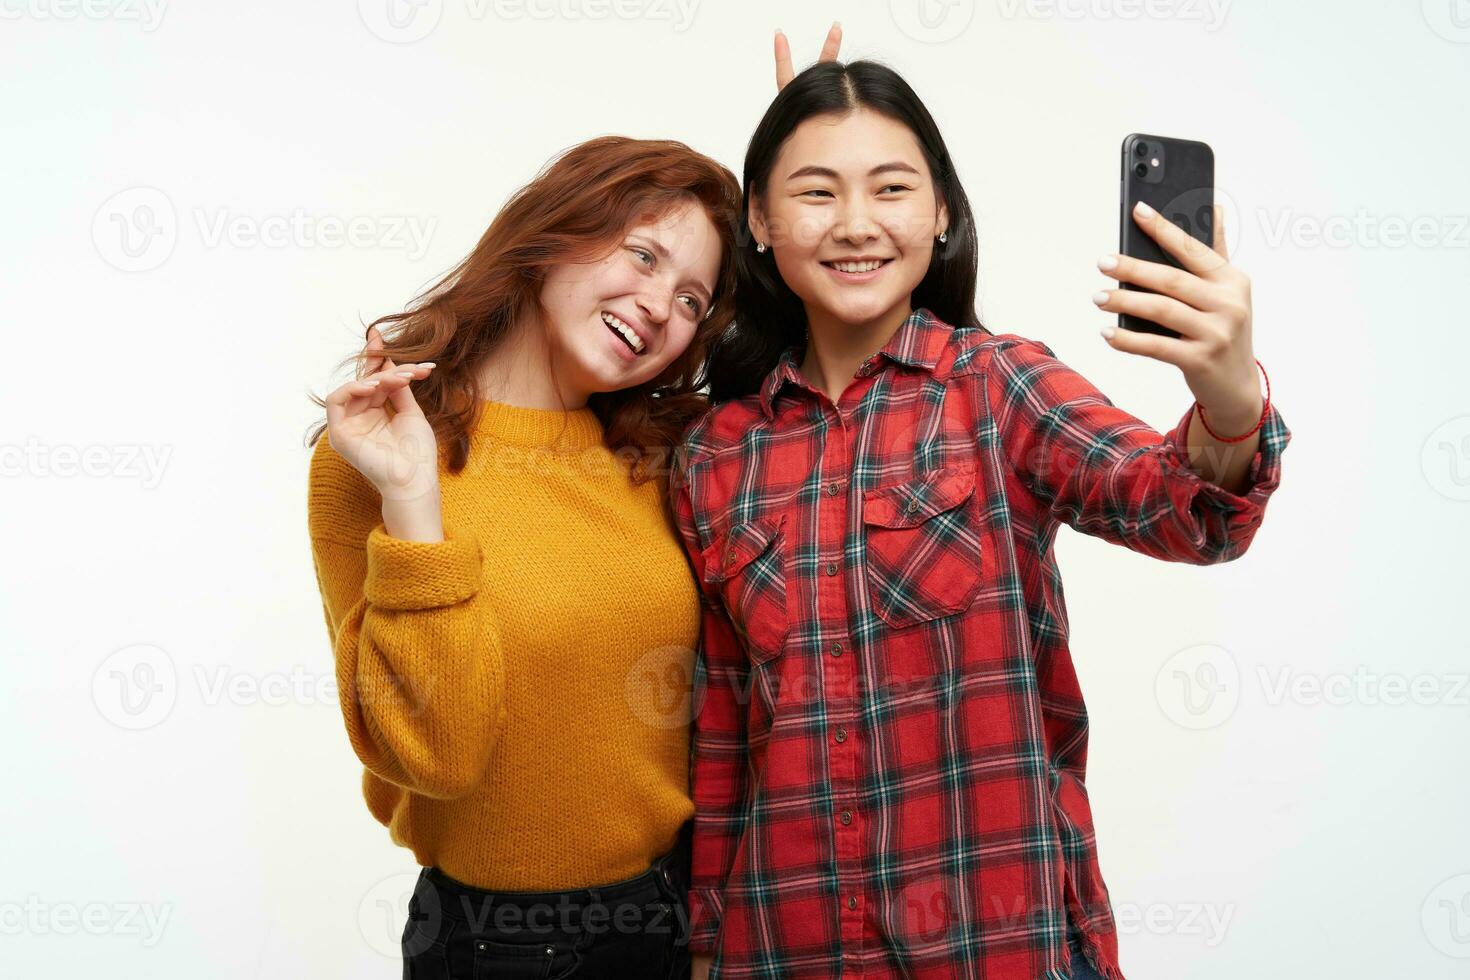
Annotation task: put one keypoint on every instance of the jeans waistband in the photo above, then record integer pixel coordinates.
(667, 876)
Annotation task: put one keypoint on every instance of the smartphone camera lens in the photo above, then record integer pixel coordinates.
(1141, 170)
(1140, 149)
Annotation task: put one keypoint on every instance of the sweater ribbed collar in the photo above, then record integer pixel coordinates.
(552, 428)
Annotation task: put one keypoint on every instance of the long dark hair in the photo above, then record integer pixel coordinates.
(769, 317)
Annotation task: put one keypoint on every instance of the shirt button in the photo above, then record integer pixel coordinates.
(852, 901)
(913, 506)
(841, 735)
(730, 557)
(837, 649)
(831, 568)
(832, 488)
(846, 817)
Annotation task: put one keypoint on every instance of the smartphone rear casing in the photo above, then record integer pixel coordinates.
(1176, 178)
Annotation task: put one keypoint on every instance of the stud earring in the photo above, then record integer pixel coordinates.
(760, 246)
(943, 237)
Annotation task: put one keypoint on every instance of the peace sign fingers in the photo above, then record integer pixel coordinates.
(784, 71)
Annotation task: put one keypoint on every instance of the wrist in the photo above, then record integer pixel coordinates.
(418, 519)
(1234, 417)
(1239, 412)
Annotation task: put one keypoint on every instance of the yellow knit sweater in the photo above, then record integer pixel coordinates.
(519, 692)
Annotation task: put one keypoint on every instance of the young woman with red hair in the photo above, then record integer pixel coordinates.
(502, 584)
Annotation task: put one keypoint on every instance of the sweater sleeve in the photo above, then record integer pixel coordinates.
(420, 673)
(719, 764)
(1104, 472)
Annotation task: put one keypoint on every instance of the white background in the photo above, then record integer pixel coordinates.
(1277, 765)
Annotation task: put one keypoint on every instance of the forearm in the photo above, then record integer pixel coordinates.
(419, 519)
(1225, 464)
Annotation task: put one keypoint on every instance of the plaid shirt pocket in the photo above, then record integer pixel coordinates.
(746, 567)
(923, 546)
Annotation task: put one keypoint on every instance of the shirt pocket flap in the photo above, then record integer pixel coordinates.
(743, 543)
(912, 503)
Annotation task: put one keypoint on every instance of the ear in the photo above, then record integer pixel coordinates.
(757, 220)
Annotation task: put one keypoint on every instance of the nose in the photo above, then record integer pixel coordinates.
(656, 300)
(854, 223)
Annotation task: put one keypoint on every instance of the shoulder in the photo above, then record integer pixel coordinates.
(976, 349)
(341, 505)
(720, 427)
(1014, 368)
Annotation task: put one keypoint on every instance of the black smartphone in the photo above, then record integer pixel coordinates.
(1176, 178)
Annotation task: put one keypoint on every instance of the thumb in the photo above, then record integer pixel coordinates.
(374, 365)
(404, 403)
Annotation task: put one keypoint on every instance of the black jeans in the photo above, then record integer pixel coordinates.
(628, 930)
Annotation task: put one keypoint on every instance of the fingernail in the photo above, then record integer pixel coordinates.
(1144, 211)
(1107, 263)
(371, 384)
(428, 364)
(1100, 298)
(405, 374)
(1107, 332)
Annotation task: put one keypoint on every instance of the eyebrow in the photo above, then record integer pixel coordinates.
(814, 171)
(663, 253)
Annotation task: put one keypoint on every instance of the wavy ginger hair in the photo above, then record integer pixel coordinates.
(575, 210)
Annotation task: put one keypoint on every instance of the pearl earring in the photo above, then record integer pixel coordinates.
(760, 246)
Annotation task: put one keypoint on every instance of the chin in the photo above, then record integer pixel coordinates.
(607, 380)
(861, 309)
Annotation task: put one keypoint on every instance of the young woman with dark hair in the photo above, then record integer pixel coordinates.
(500, 575)
(890, 744)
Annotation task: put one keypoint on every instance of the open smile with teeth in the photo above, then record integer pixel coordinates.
(867, 266)
(623, 331)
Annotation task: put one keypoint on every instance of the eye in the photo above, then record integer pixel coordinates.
(900, 187)
(694, 304)
(816, 190)
(643, 254)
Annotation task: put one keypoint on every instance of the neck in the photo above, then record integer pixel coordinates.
(836, 348)
(519, 372)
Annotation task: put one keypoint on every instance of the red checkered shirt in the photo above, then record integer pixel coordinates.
(889, 740)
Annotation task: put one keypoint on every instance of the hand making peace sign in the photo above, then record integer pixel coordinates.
(784, 72)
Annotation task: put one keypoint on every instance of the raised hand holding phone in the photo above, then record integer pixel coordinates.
(1208, 302)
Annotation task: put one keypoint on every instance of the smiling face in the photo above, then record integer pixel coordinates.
(619, 321)
(850, 212)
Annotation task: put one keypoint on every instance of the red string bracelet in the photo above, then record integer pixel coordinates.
(1259, 422)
